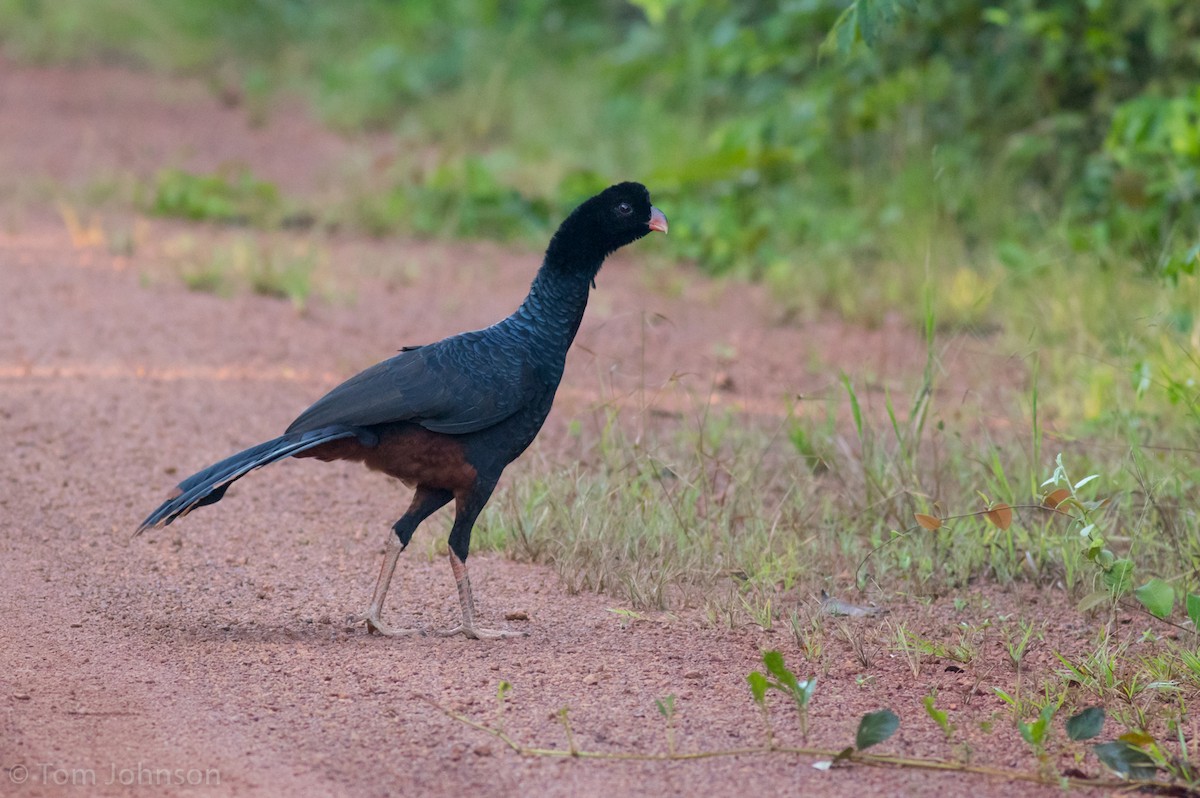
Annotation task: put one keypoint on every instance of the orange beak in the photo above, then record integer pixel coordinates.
(657, 220)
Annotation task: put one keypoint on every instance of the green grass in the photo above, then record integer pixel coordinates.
(260, 264)
(236, 197)
(735, 520)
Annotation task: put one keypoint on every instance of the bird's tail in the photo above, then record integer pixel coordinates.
(209, 485)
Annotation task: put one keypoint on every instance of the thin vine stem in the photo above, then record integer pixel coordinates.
(838, 756)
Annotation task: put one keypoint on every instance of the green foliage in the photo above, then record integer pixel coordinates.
(1151, 162)
(1126, 760)
(874, 728)
(236, 197)
(938, 716)
(1193, 610)
(463, 198)
(782, 679)
(758, 687)
(1086, 724)
(863, 20)
(1036, 733)
(1117, 573)
(1157, 597)
(644, 520)
(265, 268)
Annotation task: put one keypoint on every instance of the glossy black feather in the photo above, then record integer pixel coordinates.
(448, 386)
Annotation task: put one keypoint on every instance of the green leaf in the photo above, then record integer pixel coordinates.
(758, 687)
(840, 38)
(939, 717)
(996, 16)
(1127, 761)
(666, 706)
(875, 727)
(1035, 733)
(1086, 724)
(847, 33)
(855, 408)
(1119, 578)
(774, 662)
(1156, 596)
(866, 22)
(1193, 609)
(1094, 599)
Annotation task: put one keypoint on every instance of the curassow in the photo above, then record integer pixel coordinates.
(448, 417)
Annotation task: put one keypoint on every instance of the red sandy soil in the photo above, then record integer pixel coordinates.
(218, 649)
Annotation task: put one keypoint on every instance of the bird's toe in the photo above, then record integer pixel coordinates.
(376, 626)
(480, 633)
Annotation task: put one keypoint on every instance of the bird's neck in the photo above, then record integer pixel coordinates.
(553, 309)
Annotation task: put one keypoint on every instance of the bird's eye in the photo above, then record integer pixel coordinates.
(624, 209)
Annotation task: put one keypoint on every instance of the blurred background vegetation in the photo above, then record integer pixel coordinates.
(1010, 127)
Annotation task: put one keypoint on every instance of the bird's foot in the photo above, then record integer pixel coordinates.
(376, 626)
(479, 633)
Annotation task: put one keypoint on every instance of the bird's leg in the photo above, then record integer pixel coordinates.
(467, 507)
(468, 627)
(424, 503)
(371, 616)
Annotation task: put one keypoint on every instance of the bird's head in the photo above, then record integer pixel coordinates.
(617, 216)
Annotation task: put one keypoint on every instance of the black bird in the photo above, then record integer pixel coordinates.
(447, 418)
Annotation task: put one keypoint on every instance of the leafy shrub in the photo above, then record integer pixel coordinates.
(237, 198)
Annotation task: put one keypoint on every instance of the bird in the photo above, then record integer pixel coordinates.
(447, 418)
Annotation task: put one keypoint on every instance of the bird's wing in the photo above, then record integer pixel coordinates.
(459, 385)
